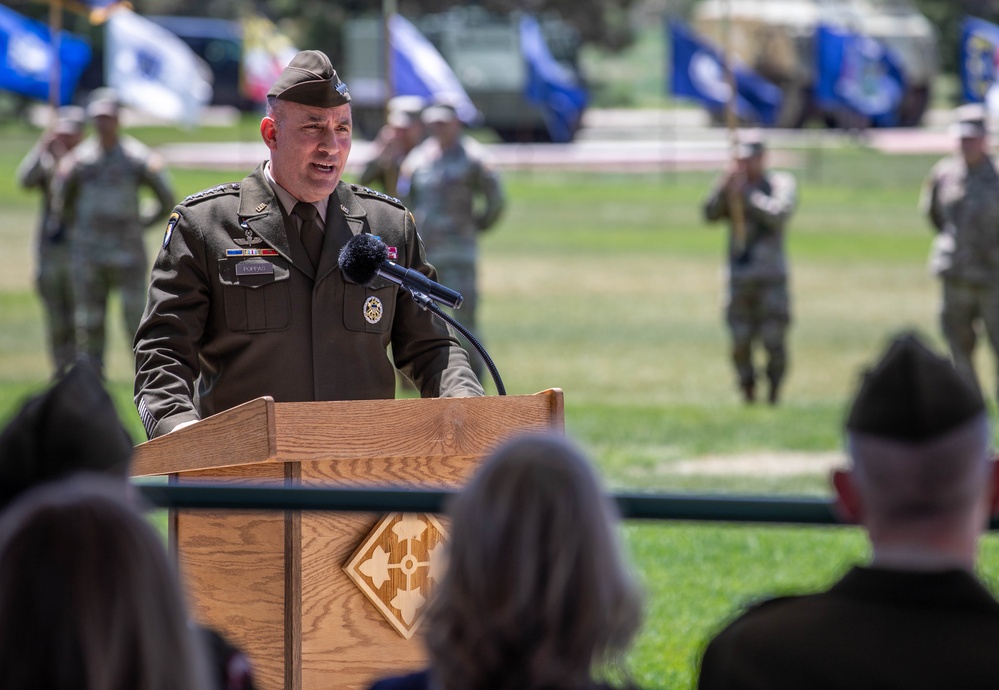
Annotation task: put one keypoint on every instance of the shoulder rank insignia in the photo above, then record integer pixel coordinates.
(171, 224)
(368, 191)
(213, 191)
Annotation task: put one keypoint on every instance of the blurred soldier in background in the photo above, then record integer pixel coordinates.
(402, 131)
(97, 194)
(758, 303)
(961, 199)
(454, 195)
(53, 270)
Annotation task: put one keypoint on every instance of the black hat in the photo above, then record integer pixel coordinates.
(913, 395)
(72, 426)
(311, 80)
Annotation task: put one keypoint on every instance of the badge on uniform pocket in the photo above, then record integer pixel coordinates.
(373, 310)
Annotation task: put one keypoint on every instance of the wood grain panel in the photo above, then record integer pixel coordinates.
(233, 567)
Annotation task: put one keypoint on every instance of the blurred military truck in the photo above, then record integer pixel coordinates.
(776, 39)
(483, 49)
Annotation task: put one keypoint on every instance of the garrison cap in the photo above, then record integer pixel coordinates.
(913, 395)
(970, 120)
(310, 79)
(73, 426)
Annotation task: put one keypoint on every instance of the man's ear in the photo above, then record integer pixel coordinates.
(848, 506)
(268, 132)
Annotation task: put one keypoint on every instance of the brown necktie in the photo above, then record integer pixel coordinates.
(311, 232)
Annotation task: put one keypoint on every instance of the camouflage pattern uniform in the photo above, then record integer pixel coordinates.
(758, 303)
(442, 189)
(53, 271)
(963, 206)
(97, 195)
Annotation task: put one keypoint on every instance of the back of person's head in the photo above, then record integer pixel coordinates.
(72, 426)
(537, 592)
(88, 597)
(918, 435)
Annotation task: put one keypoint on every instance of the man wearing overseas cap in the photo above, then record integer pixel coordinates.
(923, 485)
(247, 299)
(961, 200)
(757, 204)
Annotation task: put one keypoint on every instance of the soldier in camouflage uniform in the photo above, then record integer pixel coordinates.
(97, 195)
(758, 305)
(402, 132)
(53, 270)
(454, 194)
(961, 199)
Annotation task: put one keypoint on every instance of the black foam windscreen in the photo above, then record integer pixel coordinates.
(361, 258)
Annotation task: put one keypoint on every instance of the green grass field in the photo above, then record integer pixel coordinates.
(609, 287)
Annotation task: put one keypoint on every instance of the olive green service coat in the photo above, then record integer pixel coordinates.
(223, 326)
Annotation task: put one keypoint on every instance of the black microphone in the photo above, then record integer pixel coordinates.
(365, 256)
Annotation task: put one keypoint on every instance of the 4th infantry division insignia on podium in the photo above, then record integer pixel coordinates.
(398, 566)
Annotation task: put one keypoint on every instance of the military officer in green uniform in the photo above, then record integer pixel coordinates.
(961, 199)
(922, 485)
(247, 299)
(758, 304)
(96, 194)
(455, 195)
(53, 277)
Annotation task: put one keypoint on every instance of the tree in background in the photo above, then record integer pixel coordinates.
(947, 16)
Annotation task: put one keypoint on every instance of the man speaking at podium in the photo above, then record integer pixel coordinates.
(247, 299)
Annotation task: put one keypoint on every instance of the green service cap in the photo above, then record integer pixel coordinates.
(310, 79)
(913, 395)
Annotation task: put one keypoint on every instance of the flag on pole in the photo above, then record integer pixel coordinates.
(859, 73)
(550, 85)
(419, 70)
(698, 72)
(29, 56)
(153, 70)
(977, 58)
(266, 52)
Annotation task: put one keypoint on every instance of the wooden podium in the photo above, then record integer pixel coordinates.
(274, 582)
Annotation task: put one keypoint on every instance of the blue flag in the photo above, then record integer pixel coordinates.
(977, 58)
(699, 73)
(419, 70)
(859, 73)
(550, 86)
(29, 55)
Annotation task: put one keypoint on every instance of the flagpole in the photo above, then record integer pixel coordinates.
(55, 69)
(735, 206)
(389, 8)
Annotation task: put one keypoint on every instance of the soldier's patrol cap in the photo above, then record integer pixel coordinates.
(103, 101)
(70, 119)
(310, 79)
(72, 426)
(409, 105)
(749, 144)
(440, 112)
(913, 395)
(970, 120)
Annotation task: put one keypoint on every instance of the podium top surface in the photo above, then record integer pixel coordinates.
(262, 431)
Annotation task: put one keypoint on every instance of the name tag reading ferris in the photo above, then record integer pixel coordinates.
(254, 268)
